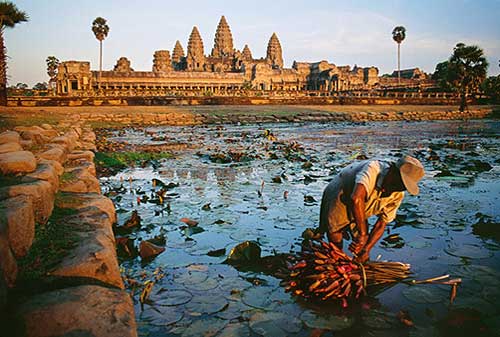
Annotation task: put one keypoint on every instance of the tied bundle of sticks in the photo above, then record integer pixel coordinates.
(324, 271)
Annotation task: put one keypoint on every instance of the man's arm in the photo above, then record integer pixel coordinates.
(358, 198)
(375, 235)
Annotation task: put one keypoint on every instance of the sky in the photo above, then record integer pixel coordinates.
(356, 32)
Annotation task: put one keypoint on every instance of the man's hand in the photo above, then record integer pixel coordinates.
(358, 244)
(362, 257)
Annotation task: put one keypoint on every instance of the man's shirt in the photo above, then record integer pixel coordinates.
(336, 205)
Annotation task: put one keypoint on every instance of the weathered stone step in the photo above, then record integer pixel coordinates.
(77, 311)
(94, 255)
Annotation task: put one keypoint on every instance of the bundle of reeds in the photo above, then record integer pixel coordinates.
(324, 271)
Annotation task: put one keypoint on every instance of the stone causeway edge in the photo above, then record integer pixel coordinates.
(53, 168)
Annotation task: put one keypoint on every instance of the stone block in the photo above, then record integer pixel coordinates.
(77, 311)
(66, 141)
(58, 168)
(17, 162)
(55, 153)
(41, 193)
(82, 181)
(35, 135)
(87, 202)
(45, 172)
(94, 255)
(46, 126)
(26, 144)
(82, 155)
(8, 262)
(17, 221)
(10, 147)
(9, 137)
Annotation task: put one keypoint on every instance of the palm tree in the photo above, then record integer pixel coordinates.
(398, 35)
(467, 69)
(9, 17)
(52, 64)
(101, 30)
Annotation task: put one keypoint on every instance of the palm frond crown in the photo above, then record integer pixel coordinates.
(10, 15)
(100, 28)
(399, 34)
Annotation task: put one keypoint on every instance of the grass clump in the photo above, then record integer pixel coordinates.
(52, 243)
(115, 161)
(67, 177)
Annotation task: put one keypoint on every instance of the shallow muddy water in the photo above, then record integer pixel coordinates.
(268, 190)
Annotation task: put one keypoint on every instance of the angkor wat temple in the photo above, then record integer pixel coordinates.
(225, 70)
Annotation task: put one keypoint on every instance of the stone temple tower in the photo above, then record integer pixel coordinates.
(247, 54)
(274, 52)
(161, 61)
(178, 59)
(195, 52)
(223, 42)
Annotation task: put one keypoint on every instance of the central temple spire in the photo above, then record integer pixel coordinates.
(274, 52)
(223, 42)
(195, 51)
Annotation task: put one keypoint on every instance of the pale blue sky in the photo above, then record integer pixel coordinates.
(342, 32)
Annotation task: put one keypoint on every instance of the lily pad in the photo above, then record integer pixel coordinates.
(235, 329)
(424, 294)
(206, 327)
(326, 322)
(419, 244)
(206, 304)
(379, 320)
(267, 324)
(208, 284)
(190, 277)
(161, 315)
(468, 250)
(173, 297)
(257, 297)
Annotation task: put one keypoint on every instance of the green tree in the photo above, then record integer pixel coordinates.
(40, 86)
(10, 15)
(101, 30)
(467, 69)
(21, 86)
(441, 76)
(398, 35)
(52, 65)
(491, 87)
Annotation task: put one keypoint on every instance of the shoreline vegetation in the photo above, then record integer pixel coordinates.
(100, 117)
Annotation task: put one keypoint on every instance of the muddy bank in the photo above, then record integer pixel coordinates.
(58, 265)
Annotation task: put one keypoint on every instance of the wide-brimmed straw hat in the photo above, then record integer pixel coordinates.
(412, 171)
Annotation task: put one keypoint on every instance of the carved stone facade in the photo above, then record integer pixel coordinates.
(225, 69)
(123, 65)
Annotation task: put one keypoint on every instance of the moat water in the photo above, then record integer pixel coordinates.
(452, 227)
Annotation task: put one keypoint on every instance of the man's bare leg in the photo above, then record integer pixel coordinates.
(336, 238)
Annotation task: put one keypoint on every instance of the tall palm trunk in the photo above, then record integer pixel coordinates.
(399, 63)
(3, 71)
(100, 65)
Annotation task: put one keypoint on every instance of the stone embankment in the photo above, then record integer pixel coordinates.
(334, 116)
(319, 114)
(48, 184)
